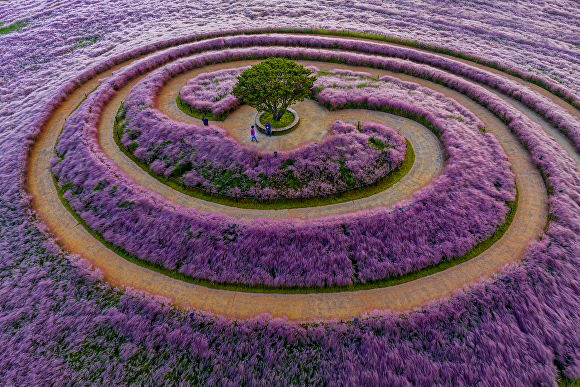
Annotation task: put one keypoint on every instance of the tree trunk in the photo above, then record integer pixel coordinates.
(279, 115)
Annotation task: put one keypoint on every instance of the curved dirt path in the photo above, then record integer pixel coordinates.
(528, 223)
(316, 124)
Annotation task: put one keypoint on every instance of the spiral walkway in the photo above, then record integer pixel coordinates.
(528, 224)
(428, 151)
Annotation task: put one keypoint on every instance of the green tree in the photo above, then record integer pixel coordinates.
(273, 85)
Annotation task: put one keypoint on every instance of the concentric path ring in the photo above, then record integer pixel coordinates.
(428, 155)
(529, 221)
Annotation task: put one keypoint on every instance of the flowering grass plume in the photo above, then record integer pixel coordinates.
(211, 92)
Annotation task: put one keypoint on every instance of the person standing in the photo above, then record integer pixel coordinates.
(268, 129)
(253, 133)
(205, 121)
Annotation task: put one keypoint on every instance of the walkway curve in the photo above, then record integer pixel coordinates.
(429, 158)
(528, 223)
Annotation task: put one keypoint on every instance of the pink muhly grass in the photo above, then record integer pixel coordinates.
(58, 326)
(443, 220)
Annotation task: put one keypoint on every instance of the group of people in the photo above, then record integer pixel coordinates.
(268, 128)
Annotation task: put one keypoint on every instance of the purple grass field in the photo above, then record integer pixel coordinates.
(444, 220)
(62, 325)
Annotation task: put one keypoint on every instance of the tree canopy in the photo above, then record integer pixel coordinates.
(273, 85)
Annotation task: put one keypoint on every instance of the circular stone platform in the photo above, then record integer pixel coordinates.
(279, 131)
